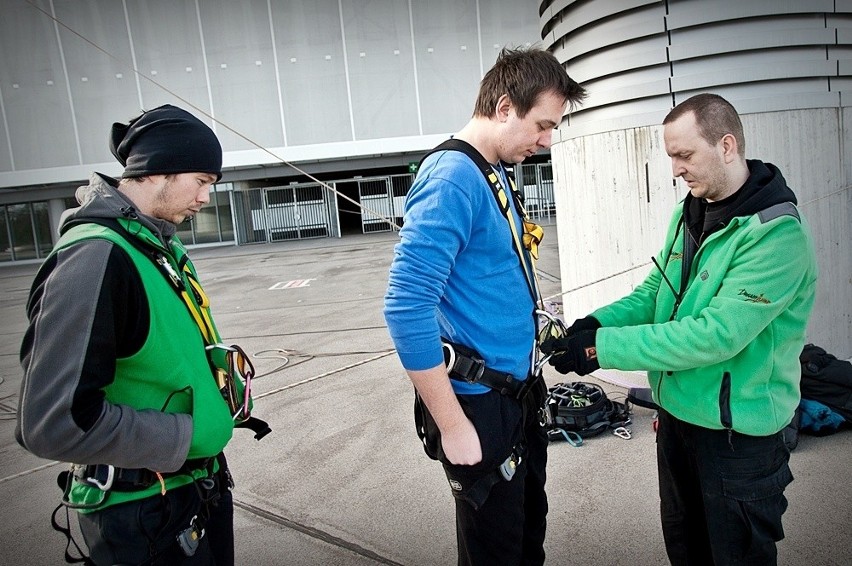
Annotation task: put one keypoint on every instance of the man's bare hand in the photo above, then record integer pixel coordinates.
(458, 435)
(461, 445)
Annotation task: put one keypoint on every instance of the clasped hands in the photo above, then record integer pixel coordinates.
(576, 351)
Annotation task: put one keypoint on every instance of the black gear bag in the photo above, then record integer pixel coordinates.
(827, 380)
(581, 409)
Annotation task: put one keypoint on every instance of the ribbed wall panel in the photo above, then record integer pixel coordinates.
(787, 68)
(314, 81)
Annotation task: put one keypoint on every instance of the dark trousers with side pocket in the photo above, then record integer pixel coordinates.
(145, 531)
(721, 496)
(505, 525)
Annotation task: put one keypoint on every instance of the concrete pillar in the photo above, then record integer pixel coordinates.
(55, 208)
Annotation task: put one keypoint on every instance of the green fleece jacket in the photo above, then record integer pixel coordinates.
(726, 356)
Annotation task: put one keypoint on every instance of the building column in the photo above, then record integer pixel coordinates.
(55, 208)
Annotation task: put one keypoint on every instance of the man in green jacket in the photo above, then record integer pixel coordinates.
(118, 353)
(718, 324)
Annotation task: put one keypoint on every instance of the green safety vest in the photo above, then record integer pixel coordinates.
(171, 372)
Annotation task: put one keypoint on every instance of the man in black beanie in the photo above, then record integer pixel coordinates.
(118, 353)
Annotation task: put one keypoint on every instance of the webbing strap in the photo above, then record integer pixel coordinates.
(533, 233)
(81, 557)
(199, 308)
(198, 304)
(500, 193)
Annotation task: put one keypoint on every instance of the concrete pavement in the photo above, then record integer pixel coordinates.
(343, 479)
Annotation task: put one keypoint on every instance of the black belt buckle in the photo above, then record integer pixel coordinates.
(100, 476)
(461, 366)
(471, 370)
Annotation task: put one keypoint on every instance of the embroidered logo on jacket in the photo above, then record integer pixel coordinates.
(754, 298)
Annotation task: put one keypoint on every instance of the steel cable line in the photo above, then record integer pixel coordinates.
(203, 112)
(308, 175)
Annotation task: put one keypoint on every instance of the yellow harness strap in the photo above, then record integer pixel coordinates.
(199, 308)
(530, 241)
(532, 233)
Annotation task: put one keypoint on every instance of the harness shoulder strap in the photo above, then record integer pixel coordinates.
(454, 144)
(497, 189)
(192, 295)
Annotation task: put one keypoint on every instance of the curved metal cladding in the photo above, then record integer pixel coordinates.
(787, 68)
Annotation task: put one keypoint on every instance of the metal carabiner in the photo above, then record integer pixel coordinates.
(622, 432)
(450, 354)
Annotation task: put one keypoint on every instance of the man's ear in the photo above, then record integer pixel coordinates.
(730, 149)
(504, 104)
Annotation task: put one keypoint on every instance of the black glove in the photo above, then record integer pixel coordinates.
(586, 323)
(575, 352)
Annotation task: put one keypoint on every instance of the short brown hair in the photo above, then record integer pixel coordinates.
(714, 116)
(523, 75)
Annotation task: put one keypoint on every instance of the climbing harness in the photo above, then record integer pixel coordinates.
(547, 325)
(233, 382)
(108, 478)
(467, 365)
(579, 410)
(232, 371)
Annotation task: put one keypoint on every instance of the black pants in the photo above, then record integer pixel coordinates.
(506, 524)
(721, 495)
(145, 531)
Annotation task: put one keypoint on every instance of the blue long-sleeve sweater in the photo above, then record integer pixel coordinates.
(456, 274)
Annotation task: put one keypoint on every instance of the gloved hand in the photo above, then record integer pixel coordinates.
(585, 323)
(580, 324)
(575, 352)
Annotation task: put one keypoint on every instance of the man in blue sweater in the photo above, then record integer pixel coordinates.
(461, 293)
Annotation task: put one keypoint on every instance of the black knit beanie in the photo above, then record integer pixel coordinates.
(163, 141)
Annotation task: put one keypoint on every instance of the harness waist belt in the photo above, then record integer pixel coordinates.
(106, 477)
(463, 364)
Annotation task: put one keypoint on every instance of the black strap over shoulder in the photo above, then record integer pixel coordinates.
(493, 181)
(455, 144)
(148, 250)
